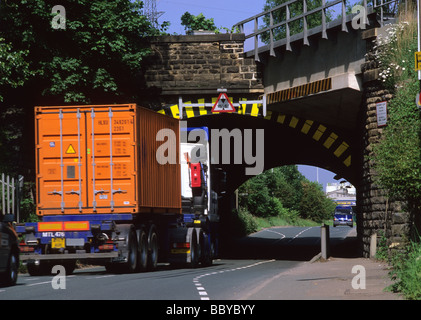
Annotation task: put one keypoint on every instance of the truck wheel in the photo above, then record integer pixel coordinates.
(153, 248)
(69, 266)
(41, 269)
(194, 252)
(142, 255)
(132, 252)
(207, 251)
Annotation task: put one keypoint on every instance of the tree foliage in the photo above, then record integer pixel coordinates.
(285, 192)
(295, 26)
(199, 22)
(98, 56)
(96, 59)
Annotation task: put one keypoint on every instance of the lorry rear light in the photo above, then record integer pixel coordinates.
(26, 248)
(23, 247)
(181, 245)
(196, 181)
(104, 247)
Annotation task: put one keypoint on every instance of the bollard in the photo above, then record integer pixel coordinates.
(373, 245)
(325, 241)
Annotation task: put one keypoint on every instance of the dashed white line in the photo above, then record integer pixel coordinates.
(201, 289)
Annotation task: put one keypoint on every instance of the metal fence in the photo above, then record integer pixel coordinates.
(10, 194)
(295, 18)
(388, 10)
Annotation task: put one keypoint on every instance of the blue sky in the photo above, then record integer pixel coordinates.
(225, 14)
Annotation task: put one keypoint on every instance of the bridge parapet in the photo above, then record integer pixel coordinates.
(276, 31)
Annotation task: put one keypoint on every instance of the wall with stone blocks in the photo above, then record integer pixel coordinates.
(376, 212)
(200, 64)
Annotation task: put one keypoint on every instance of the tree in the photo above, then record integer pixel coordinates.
(295, 26)
(97, 59)
(98, 56)
(14, 70)
(314, 204)
(259, 201)
(287, 193)
(199, 22)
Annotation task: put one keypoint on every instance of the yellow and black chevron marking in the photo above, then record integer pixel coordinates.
(254, 110)
(300, 91)
(318, 132)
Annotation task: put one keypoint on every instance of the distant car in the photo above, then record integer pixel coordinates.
(9, 251)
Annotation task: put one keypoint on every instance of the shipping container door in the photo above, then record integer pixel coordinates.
(111, 163)
(61, 156)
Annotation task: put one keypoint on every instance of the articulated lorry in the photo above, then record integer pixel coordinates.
(117, 186)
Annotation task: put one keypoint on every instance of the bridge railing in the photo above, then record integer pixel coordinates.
(279, 21)
(388, 10)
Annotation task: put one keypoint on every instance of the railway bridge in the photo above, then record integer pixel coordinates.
(307, 85)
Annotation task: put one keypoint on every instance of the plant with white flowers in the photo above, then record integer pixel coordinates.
(394, 50)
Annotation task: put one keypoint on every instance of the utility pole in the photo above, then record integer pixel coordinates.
(151, 13)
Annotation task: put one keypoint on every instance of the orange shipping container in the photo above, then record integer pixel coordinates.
(102, 159)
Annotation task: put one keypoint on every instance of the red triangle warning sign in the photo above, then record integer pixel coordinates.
(223, 104)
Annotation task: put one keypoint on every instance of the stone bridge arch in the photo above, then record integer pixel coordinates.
(288, 139)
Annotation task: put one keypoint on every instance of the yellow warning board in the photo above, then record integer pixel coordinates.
(417, 61)
(70, 150)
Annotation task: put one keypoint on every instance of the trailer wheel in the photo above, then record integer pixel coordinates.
(132, 252)
(142, 255)
(153, 248)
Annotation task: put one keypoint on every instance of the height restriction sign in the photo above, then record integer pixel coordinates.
(223, 104)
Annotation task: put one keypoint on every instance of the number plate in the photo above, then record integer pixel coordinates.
(58, 243)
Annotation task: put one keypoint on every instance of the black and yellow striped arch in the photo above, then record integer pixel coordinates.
(318, 132)
(254, 110)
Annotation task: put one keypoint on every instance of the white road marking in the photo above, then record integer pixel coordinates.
(38, 283)
(201, 289)
(298, 234)
(278, 233)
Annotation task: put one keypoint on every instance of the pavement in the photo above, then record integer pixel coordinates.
(329, 280)
(344, 276)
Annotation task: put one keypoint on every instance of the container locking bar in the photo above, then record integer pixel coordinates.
(61, 159)
(93, 158)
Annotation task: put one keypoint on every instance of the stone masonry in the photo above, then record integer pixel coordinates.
(376, 213)
(200, 64)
